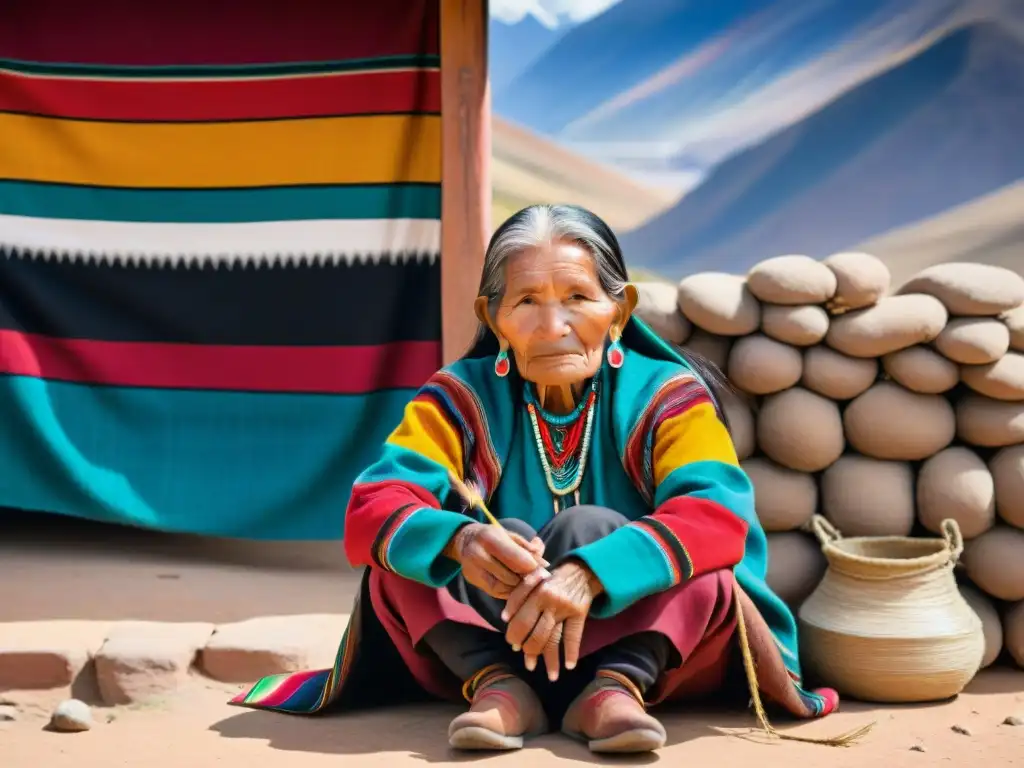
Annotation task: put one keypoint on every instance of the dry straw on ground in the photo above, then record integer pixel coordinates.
(886, 409)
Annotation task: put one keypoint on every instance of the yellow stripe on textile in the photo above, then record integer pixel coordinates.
(425, 430)
(697, 434)
(382, 149)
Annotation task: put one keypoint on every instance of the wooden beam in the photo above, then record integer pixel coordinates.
(465, 167)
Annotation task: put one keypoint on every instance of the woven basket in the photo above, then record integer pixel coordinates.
(887, 623)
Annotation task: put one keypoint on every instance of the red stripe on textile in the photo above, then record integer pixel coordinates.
(370, 508)
(333, 370)
(675, 395)
(201, 33)
(284, 691)
(383, 92)
(485, 469)
(394, 523)
(713, 536)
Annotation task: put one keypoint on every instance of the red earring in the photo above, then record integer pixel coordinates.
(502, 366)
(616, 355)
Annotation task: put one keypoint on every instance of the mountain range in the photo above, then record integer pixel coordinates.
(989, 230)
(527, 168)
(933, 132)
(665, 89)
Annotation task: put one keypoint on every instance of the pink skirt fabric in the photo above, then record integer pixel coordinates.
(698, 618)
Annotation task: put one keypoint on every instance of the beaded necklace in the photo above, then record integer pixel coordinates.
(563, 443)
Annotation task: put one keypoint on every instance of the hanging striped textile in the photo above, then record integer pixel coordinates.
(219, 237)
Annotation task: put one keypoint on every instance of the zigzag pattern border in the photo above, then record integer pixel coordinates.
(220, 261)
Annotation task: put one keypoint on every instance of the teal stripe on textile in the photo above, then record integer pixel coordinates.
(258, 466)
(630, 565)
(416, 550)
(410, 61)
(188, 206)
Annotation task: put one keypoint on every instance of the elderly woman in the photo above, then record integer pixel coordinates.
(628, 548)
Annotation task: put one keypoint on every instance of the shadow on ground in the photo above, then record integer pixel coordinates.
(422, 730)
(423, 734)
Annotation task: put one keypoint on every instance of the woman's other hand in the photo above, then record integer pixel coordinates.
(552, 614)
(495, 560)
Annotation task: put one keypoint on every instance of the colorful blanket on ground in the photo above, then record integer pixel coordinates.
(219, 236)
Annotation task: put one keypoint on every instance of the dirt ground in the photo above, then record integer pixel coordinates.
(56, 569)
(60, 568)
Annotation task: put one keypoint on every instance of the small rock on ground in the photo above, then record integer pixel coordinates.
(961, 729)
(8, 713)
(918, 748)
(1013, 720)
(142, 659)
(248, 650)
(71, 716)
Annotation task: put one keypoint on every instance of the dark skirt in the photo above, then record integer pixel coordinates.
(384, 658)
(697, 617)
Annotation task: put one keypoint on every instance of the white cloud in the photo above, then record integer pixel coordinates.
(550, 13)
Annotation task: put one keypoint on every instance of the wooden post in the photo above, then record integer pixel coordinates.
(465, 167)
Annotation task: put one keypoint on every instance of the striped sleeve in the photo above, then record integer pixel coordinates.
(701, 500)
(395, 518)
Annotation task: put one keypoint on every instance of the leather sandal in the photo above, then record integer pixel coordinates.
(503, 711)
(610, 716)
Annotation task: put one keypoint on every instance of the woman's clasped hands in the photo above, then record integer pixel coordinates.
(552, 614)
(497, 561)
(545, 610)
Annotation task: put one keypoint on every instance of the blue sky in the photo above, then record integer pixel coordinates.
(550, 13)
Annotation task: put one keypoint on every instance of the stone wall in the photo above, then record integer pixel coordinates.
(885, 410)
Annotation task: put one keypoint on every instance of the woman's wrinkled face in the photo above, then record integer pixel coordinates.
(555, 316)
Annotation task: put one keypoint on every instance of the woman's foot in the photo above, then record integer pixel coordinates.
(503, 710)
(611, 717)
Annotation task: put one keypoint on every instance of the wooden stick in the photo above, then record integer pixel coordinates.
(466, 168)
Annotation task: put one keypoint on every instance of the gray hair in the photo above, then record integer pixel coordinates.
(540, 224)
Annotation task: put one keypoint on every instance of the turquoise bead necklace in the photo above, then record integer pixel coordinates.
(563, 444)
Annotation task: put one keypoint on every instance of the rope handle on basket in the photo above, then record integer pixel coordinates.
(954, 539)
(824, 530)
(827, 533)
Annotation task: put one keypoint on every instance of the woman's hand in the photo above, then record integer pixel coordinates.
(552, 614)
(496, 560)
